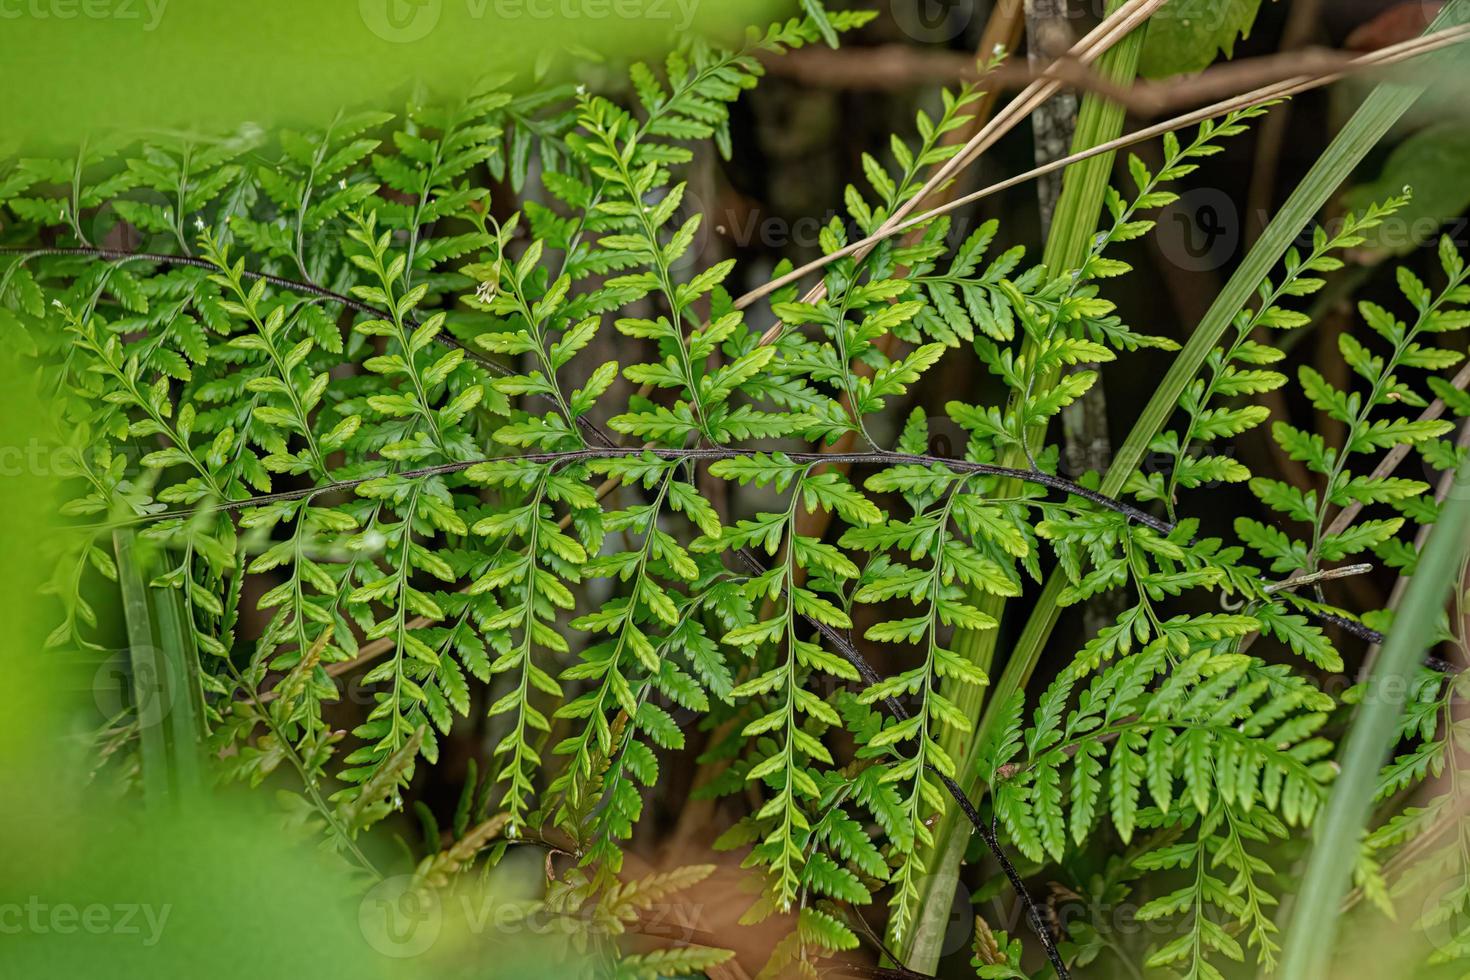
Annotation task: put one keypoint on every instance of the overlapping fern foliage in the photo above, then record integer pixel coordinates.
(350, 416)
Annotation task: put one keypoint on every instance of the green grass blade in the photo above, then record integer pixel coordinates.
(1311, 932)
(146, 668)
(1098, 121)
(163, 673)
(1073, 224)
(184, 720)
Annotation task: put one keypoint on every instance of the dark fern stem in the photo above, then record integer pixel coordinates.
(985, 830)
(573, 456)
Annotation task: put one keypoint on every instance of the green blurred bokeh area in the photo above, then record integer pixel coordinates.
(74, 67)
(98, 887)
